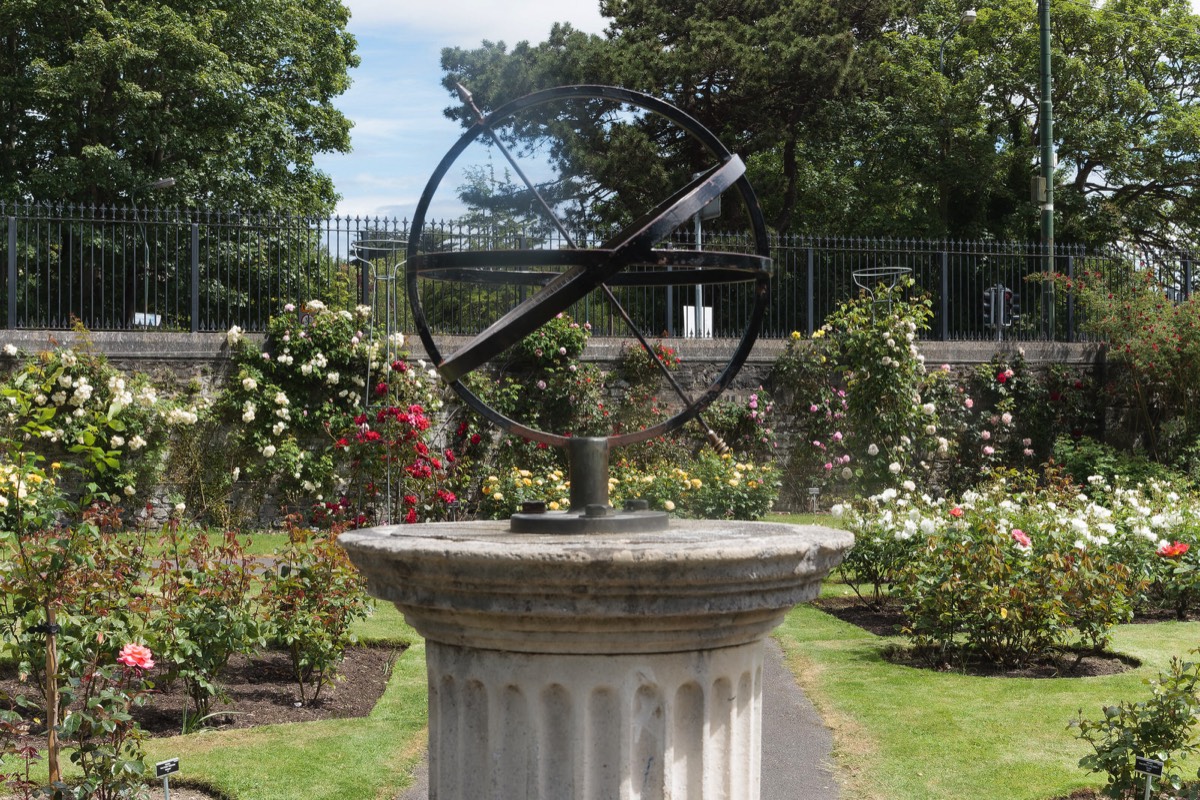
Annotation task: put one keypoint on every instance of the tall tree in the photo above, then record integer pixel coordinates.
(751, 70)
(875, 118)
(231, 98)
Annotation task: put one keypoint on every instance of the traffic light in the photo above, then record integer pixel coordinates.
(989, 307)
(1012, 308)
(1001, 307)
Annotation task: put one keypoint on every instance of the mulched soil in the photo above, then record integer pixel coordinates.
(1096, 794)
(887, 620)
(262, 691)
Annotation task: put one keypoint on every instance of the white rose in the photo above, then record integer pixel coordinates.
(249, 384)
(269, 450)
(234, 335)
(137, 443)
(116, 442)
(872, 450)
(10, 350)
(894, 467)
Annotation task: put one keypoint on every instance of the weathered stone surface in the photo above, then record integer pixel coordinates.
(698, 584)
(614, 667)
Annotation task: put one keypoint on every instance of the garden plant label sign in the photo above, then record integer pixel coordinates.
(1148, 766)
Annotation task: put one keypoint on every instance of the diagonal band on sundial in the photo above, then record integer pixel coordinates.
(660, 268)
(633, 244)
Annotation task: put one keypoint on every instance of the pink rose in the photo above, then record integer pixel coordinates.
(1022, 540)
(136, 655)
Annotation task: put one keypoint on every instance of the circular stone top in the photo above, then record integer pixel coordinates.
(698, 585)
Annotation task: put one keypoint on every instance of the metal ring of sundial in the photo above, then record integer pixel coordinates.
(587, 269)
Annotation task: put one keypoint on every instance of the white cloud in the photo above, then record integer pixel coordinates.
(466, 22)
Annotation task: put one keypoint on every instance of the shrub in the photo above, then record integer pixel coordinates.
(638, 368)
(204, 615)
(885, 537)
(1162, 727)
(710, 486)
(1083, 457)
(309, 603)
(1001, 580)
(70, 586)
(864, 423)
(1155, 340)
(106, 740)
(72, 407)
(747, 426)
(502, 493)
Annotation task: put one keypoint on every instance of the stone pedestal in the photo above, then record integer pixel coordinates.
(615, 667)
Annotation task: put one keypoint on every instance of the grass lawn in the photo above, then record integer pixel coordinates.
(913, 734)
(256, 544)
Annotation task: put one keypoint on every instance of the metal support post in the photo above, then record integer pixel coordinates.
(195, 309)
(1046, 125)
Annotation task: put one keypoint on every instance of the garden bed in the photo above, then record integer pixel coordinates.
(262, 691)
(887, 620)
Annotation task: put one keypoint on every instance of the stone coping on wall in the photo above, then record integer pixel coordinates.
(211, 347)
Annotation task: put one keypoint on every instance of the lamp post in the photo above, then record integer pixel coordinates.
(965, 21)
(161, 183)
(1046, 127)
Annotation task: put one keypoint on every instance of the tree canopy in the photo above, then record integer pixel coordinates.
(890, 118)
(231, 98)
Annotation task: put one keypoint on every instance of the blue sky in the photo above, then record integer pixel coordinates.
(396, 100)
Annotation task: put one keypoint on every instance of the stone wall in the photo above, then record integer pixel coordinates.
(200, 362)
(179, 358)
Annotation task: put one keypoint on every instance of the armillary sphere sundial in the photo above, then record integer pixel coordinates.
(554, 279)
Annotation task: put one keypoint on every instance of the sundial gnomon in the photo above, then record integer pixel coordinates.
(636, 255)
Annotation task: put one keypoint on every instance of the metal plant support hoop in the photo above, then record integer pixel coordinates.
(869, 279)
(383, 274)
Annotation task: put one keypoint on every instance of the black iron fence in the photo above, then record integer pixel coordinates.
(170, 269)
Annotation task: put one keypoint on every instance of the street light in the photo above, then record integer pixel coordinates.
(161, 183)
(965, 21)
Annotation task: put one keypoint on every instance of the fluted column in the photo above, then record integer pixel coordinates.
(644, 727)
(616, 667)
